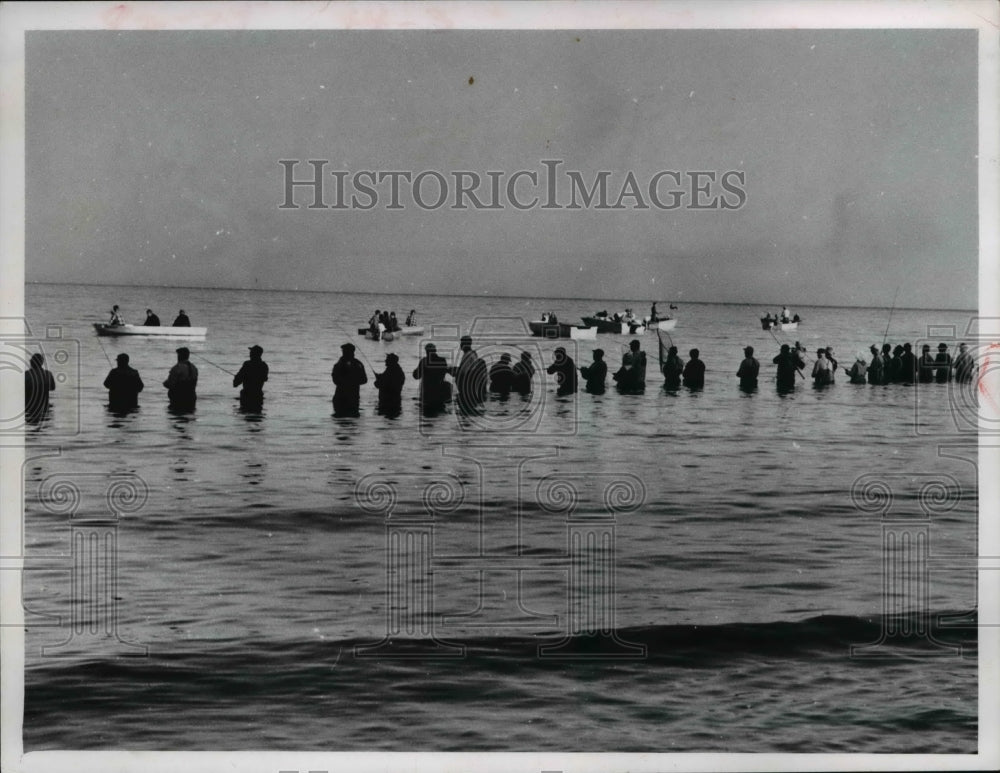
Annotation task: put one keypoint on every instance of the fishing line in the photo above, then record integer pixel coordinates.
(357, 348)
(203, 357)
(797, 351)
(886, 334)
(105, 351)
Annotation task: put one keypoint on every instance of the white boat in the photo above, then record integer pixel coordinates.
(413, 330)
(583, 333)
(160, 331)
(789, 326)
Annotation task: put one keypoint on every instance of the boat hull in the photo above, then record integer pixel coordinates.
(149, 331)
(388, 335)
(604, 325)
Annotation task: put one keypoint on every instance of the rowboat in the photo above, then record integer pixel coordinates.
(767, 324)
(164, 331)
(606, 325)
(390, 335)
(562, 330)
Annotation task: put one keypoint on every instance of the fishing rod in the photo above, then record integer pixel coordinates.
(357, 348)
(797, 370)
(203, 357)
(891, 309)
(104, 350)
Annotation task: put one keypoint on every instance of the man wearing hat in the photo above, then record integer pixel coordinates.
(431, 372)
(502, 376)
(123, 385)
(925, 365)
(565, 370)
(182, 381)
(471, 375)
(389, 384)
(789, 364)
(524, 372)
(595, 373)
(748, 370)
(348, 375)
(876, 368)
(943, 361)
(252, 376)
(631, 376)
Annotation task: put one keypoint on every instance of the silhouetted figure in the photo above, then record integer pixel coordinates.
(565, 371)
(965, 365)
(595, 374)
(182, 320)
(502, 376)
(471, 375)
(925, 365)
(348, 375)
(887, 364)
(896, 365)
(182, 382)
(151, 319)
(673, 369)
(876, 368)
(822, 372)
(389, 384)
(251, 377)
(694, 371)
(116, 317)
(524, 372)
(859, 370)
(908, 365)
(393, 322)
(123, 385)
(631, 376)
(943, 361)
(38, 383)
(411, 318)
(789, 364)
(748, 371)
(431, 371)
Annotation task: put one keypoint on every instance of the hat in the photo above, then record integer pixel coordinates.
(391, 357)
(122, 357)
(525, 355)
(430, 348)
(466, 340)
(598, 352)
(347, 347)
(184, 350)
(860, 357)
(927, 347)
(873, 349)
(748, 350)
(256, 349)
(560, 349)
(942, 347)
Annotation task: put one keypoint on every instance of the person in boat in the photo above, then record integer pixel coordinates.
(393, 322)
(652, 313)
(348, 375)
(38, 384)
(631, 376)
(251, 376)
(694, 371)
(117, 318)
(151, 319)
(471, 375)
(944, 365)
(524, 373)
(124, 385)
(796, 319)
(411, 318)
(182, 382)
(908, 369)
(858, 372)
(673, 369)
(595, 374)
(389, 384)
(373, 325)
(182, 320)
(786, 315)
(822, 372)
(431, 371)
(876, 368)
(965, 365)
(565, 371)
(748, 371)
(789, 364)
(502, 376)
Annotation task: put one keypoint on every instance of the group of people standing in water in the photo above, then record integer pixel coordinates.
(472, 380)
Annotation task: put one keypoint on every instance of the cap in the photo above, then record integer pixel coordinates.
(598, 352)
(942, 347)
(391, 357)
(430, 348)
(347, 347)
(256, 349)
(748, 350)
(183, 350)
(466, 340)
(122, 357)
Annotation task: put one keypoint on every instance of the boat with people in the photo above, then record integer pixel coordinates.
(543, 328)
(390, 335)
(104, 329)
(784, 321)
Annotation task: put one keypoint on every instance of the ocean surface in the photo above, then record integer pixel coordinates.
(688, 571)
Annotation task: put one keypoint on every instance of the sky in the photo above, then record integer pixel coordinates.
(153, 158)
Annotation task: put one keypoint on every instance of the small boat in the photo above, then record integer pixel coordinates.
(619, 327)
(161, 331)
(768, 324)
(391, 335)
(562, 330)
(583, 333)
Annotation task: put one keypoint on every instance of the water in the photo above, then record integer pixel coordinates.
(250, 608)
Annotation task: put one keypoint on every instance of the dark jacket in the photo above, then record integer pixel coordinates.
(123, 385)
(565, 370)
(694, 374)
(596, 373)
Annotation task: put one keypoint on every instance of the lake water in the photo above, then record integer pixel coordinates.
(689, 571)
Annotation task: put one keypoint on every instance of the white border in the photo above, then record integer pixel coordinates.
(16, 18)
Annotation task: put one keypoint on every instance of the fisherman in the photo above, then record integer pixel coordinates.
(925, 365)
(748, 370)
(151, 319)
(565, 370)
(694, 371)
(38, 383)
(876, 370)
(859, 370)
(789, 364)
(411, 318)
(124, 385)
(833, 363)
(908, 365)
(389, 384)
(182, 382)
(182, 320)
(252, 376)
(431, 372)
(886, 364)
(348, 375)
(673, 368)
(524, 373)
(822, 372)
(502, 376)
(944, 365)
(117, 319)
(965, 365)
(595, 373)
(631, 376)
(896, 365)
(471, 375)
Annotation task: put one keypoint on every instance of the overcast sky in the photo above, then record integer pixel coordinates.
(153, 158)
